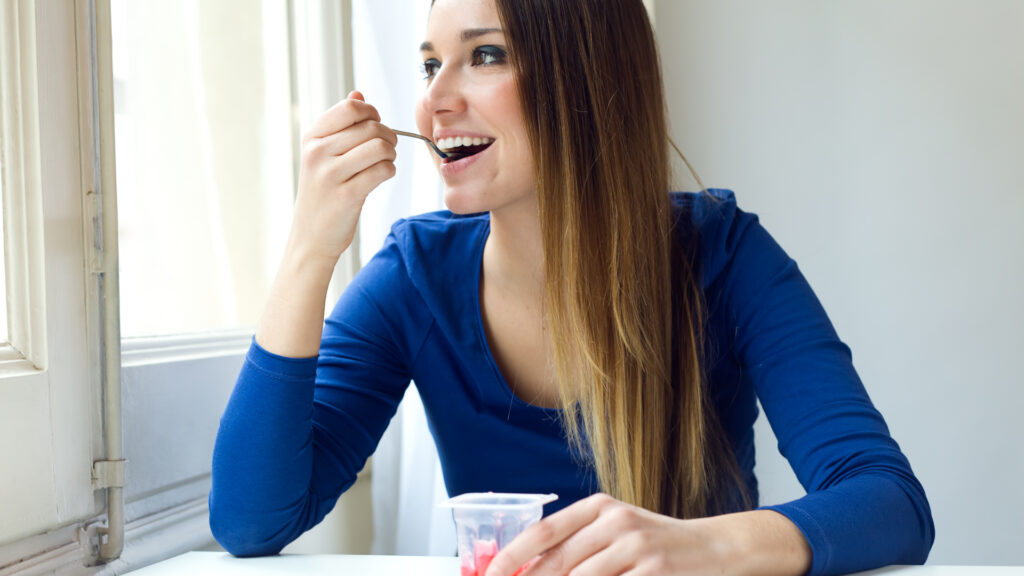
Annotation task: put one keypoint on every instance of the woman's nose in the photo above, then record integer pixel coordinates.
(444, 92)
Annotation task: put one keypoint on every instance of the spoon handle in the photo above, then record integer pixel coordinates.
(425, 139)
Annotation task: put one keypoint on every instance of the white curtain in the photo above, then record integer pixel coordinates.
(406, 483)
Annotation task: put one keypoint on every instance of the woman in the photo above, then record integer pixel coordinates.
(573, 328)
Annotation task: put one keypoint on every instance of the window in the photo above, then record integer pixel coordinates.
(45, 369)
(208, 105)
(204, 146)
(209, 102)
(3, 271)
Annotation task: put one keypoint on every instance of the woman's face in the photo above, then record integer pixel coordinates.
(471, 98)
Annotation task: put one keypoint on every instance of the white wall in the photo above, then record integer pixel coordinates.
(880, 141)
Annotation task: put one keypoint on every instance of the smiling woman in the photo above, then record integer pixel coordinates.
(572, 324)
(471, 95)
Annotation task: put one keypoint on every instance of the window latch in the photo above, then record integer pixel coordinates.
(107, 474)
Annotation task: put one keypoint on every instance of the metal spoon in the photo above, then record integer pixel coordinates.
(433, 146)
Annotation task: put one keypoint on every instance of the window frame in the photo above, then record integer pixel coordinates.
(165, 496)
(49, 381)
(24, 352)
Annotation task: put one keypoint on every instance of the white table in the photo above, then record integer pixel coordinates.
(222, 564)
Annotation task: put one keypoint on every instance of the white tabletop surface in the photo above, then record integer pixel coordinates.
(222, 564)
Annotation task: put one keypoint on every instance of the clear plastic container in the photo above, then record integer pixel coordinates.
(486, 522)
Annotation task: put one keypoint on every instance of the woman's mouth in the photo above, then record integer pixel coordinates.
(462, 153)
(460, 147)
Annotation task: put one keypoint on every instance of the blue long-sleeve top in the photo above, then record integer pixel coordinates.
(297, 431)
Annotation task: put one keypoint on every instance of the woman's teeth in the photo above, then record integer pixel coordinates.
(451, 144)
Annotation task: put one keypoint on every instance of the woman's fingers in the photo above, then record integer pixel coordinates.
(326, 151)
(547, 534)
(571, 552)
(374, 175)
(345, 155)
(611, 560)
(342, 142)
(360, 158)
(618, 526)
(340, 116)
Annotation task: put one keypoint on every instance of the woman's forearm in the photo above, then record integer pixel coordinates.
(345, 155)
(292, 321)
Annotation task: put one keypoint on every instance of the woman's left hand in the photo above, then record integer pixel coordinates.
(602, 536)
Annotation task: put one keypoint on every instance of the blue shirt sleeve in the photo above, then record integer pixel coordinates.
(864, 507)
(296, 432)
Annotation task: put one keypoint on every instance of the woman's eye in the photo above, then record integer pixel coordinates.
(482, 56)
(488, 55)
(429, 68)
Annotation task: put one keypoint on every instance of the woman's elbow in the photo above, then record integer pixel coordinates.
(241, 537)
(927, 533)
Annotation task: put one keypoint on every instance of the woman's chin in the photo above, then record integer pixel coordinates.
(463, 202)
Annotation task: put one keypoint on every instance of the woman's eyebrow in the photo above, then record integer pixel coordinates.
(472, 33)
(467, 35)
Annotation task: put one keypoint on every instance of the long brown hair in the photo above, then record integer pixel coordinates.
(622, 296)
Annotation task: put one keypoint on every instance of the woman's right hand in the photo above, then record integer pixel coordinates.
(345, 155)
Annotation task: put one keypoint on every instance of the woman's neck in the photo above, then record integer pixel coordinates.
(514, 255)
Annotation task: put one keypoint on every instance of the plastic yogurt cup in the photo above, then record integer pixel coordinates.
(486, 522)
